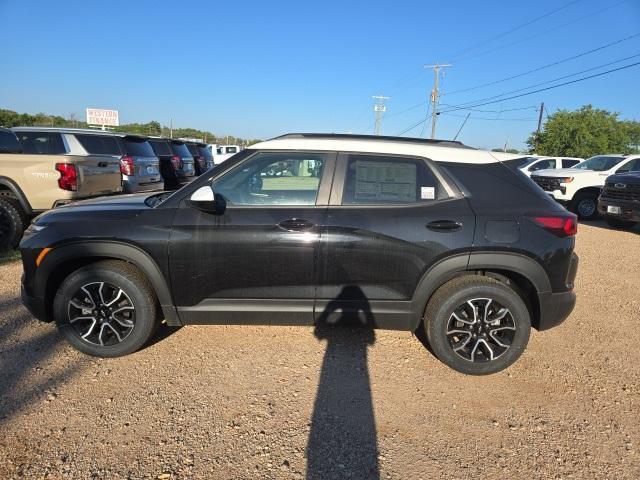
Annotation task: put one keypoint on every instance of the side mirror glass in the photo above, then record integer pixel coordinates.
(205, 200)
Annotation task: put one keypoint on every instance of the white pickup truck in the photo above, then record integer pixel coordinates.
(222, 152)
(579, 187)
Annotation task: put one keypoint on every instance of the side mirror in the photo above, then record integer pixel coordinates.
(205, 200)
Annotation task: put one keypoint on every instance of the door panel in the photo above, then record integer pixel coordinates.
(255, 263)
(375, 254)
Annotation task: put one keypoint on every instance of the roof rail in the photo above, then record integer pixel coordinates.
(381, 138)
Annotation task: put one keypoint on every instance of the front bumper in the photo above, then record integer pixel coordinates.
(35, 305)
(629, 210)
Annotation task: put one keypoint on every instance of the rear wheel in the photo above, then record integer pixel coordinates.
(477, 325)
(13, 221)
(617, 223)
(585, 205)
(106, 309)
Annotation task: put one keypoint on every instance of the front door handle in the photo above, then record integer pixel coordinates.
(444, 226)
(296, 225)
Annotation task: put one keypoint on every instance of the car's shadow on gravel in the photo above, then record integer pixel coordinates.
(342, 439)
(26, 376)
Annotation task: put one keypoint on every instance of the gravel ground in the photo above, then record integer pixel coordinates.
(281, 402)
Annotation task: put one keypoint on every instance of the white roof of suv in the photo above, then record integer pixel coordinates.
(437, 150)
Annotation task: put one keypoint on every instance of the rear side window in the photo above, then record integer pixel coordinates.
(9, 142)
(569, 162)
(160, 147)
(99, 145)
(193, 150)
(45, 143)
(137, 147)
(382, 180)
(543, 164)
(180, 149)
(205, 151)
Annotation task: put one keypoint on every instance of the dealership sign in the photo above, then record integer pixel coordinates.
(99, 116)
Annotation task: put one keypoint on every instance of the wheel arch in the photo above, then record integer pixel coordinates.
(524, 272)
(64, 260)
(8, 184)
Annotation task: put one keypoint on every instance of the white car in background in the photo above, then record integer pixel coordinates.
(536, 163)
(578, 188)
(222, 152)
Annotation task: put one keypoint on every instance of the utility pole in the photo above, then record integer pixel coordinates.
(435, 94)
(171, 127)
(379, 108)
(540, 117)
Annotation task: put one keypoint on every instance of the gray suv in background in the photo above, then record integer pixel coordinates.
(139, 165)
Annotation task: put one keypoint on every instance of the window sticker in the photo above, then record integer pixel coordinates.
(427, 193)
(391, 181)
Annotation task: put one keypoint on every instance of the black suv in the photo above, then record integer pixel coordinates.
(304, 229)
(619, 201)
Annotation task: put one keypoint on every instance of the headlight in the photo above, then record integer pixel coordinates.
(566, 180)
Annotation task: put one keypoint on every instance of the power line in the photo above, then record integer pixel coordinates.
(530, 119)
(543, 67)
(460, 107)
(539, 34)
(530, 107)
(549, 88)
(514, 29)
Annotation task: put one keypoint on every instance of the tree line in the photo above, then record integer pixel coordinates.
(9, 118)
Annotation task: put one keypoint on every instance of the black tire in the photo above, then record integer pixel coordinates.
(13, 221)
(617, 223)
(585, 206)
(456, 294)
(138, 293)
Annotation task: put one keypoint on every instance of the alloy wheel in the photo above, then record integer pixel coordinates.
(481, 330)
(101, 314)
(586, 207)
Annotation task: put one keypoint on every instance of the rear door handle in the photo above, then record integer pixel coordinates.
(296, 225)
(444, 226)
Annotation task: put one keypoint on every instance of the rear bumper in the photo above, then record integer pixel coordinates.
(132, 186)
(629, 211)
(556, 307)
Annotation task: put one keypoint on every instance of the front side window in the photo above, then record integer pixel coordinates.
(273, 179)
(46, 143)
(231, 149)
(631, 166)
(381, 180)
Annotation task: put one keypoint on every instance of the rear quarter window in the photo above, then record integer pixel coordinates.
(42, 143)
(99, 145)
(137, 147)
(160, 147)
(180, 149)
(9, 143)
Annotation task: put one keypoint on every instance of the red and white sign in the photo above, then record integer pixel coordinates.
(99, 116)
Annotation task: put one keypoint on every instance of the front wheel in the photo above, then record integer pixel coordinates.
(477, 325)
(585, 206)
(106, 309)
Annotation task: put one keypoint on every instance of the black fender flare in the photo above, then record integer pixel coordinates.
(454, 266)
(17, 193)
(103, 249)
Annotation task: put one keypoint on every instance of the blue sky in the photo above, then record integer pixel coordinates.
(259, 69)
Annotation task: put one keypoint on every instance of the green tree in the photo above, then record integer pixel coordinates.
(583, 133)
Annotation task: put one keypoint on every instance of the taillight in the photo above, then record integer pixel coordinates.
(127, 165)
(68, 176)
(177, 162)
(562, 226)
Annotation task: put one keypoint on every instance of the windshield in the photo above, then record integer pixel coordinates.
(599, 163)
